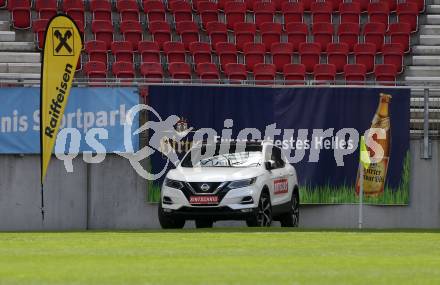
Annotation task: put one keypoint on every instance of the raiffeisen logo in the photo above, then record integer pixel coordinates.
(174, 136)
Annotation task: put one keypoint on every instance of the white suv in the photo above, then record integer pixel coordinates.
(231, 181)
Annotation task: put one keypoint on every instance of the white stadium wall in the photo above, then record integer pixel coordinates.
(111, 195)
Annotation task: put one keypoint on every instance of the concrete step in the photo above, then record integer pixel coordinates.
(17, 46)
(435, 2)
(7, 36)
(20, 67)
(4, 26)
(19, 57)
(422, 71)
(19, 76)
(426, 50)
(429, 40)
(421, 79)
(433, 19)
(430, 60)
(433, 9)
(430, 29)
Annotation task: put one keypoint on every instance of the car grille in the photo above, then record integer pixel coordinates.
(192, 186)
(197, 186)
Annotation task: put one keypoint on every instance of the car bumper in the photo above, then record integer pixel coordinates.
(212, 213)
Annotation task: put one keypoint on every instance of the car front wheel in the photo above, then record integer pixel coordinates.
(263, 215)
(169, 222)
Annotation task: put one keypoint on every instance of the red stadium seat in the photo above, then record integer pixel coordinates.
(207, 71)
(279, 4)
(363, 4)
(95, 70)
(132, 31)
(188, 31)
(281, 55)
(128, 9)
(235, 13)
(39, 28)
(374, 33)
(253, 53)
(201, 52)
(222, 3)
(355, 74)
(309, 54)
(244, 33)
(350, 12)
(296, 34)
(349, 33)
(408, 13)
(103, 31)
(263, 12)
(75, 9)
(336, 4)
(264, 73)
(3, 3)
(21, 14)
(181, 10)
(46, 8)
(292, 12)
(337, 54)
(321, 12)
(154, 9)
(270, 33)
(385, 74)
(392, 4)
(122, 51)
(322, 34)
(217, 33)
(227, 53)
(161, 32)
(393, 54)
(378, 13)
(250, 4)
(235, 72)
(325, 72)
(307, 4)
(420, 4)
(208, 12)
(175, 51)
(97, 51)
(400, 33)
(123, 69)
(294, 74)
(101, 10)
(152, 71)
(149, 51)
(365, 54)
(179, 70)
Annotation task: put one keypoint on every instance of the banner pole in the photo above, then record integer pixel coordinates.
(42, 202)
(361, 194)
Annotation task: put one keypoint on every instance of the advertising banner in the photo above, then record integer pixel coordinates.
(87, 108)
(61, 51)
(319, 129)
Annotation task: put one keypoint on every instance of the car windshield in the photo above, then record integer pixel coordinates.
(220, 155)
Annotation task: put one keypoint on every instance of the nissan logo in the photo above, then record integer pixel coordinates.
(204, 187)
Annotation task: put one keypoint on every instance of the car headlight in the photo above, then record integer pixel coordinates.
(241, 183)
(173, 183)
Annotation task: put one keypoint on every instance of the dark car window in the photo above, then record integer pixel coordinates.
(277, 157)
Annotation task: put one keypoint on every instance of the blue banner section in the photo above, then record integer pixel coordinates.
(87, 108)
(302, 115)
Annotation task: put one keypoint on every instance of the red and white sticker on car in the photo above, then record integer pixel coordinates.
(280, 186)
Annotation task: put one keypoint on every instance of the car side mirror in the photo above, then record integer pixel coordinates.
(270, 164)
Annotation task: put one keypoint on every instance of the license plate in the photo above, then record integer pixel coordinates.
(203, 200)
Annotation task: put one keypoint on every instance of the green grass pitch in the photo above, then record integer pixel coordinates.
(221, 256)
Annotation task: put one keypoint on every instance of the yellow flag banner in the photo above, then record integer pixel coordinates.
(62, 49)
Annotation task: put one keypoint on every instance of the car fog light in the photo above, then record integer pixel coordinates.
(246, 210)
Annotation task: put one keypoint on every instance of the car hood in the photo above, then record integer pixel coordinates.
(213, 174)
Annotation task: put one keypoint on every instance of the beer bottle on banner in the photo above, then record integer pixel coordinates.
(375, 175)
